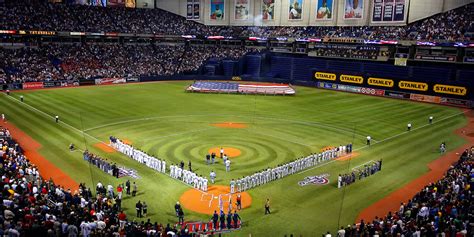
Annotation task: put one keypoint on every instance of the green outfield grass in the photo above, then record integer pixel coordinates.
(163, 120)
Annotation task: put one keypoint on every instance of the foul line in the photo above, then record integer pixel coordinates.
(390, 138)
(50, 116)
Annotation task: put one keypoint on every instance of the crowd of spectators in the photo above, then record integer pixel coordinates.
(88, 61)
(33, 206)
(38, 15)
(443, 208)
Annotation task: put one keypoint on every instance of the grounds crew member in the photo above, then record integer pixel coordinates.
(368, 140)
(21, 98)
(430, 119)
(409, 127)
(57, 119)
(267, 206)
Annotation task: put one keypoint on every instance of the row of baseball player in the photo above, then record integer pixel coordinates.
(138, 155)
(271, 174)
(176, 172)
(189, 177)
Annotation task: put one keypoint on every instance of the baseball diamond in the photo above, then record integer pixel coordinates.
(192, 118)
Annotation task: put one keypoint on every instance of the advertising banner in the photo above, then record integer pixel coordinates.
(414, 86)
(325, 76)
(324, 9)
(217, 10)
(435, 58)
(396, 94)
(456, 102)
(351, 79)
(33, 85)
(295, 9)
(268, 10)
(380, 82)
(241, 10)
(353, 9)
(133, 79)
(109, 81)
(426, 91)
(370, 91)
(425, 98)
(452, 90)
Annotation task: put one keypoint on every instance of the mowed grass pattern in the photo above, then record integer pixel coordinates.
(163, 120)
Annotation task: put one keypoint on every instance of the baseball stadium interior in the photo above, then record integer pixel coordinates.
(88, 84)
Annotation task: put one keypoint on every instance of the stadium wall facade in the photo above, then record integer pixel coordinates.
(372, 10)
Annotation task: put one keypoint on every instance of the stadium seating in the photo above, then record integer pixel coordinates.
(37, 15)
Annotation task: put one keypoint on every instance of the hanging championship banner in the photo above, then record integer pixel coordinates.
(388, 11)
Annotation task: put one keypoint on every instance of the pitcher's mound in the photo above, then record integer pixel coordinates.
(230, 125)
(104, 147)
(207, 203)
(229, 151)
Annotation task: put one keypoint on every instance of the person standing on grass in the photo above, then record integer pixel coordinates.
(127, 187)
(430, 120)
(229, 220)
(145, 209)
(21, 98)
(180, 216)
(222, 152)
(236, 219)
(177, 206)
(122, 219)
(208, 159)
(135, 189)
(190, 167)
(239, 202)
(139, 207)
(368, 140)
(267, 206)
(212, 175)
(213, 157)
(232, 186)
(222, 220)
(227, 165)
(56, 119)
(409, 127)
(215, 219)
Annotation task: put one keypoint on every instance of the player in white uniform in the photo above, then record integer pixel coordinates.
(232, 186)
(212, 175)
(204, 185)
